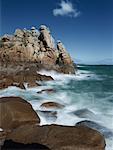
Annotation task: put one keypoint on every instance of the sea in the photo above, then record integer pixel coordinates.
(87, 96)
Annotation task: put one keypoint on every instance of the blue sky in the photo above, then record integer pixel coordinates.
(84, 26)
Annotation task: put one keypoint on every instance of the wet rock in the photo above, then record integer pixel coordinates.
(84, 113)
(33, 84)
(48, 115)
(94, 125)
(19, 78)
(49, 91)
(52, 105)
(59, 137)
(15, 111)
(20, 85)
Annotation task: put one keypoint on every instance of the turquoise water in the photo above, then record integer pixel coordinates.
(91, 89)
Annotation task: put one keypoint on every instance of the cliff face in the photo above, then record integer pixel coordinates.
(34, 48)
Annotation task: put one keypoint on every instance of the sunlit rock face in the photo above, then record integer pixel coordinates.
(46, 37)
(62, 54)
(34, 46)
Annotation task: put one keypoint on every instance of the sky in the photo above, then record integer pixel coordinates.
(84, 26)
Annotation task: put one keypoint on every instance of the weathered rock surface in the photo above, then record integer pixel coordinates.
(52, 105)
(19, 78)
(14, 111)
(59, 137)
(33, 46)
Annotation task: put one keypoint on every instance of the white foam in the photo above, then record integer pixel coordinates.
(1, 129)
(80, 75)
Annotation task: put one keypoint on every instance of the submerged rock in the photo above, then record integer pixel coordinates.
(52, 105)
(15, 111)
(84, 113)
(49, 91)
(48, 115)
(94, 125)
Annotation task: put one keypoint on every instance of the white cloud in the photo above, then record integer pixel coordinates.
(66, 8)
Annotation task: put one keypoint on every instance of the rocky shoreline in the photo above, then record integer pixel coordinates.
(21, 124)
(22, 56)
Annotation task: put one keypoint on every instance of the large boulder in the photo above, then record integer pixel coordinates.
(59, 137)
(15, 111)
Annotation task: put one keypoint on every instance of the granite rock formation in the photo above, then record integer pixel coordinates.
(31, 77)
(36, 48)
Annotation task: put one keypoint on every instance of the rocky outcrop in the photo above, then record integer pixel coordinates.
(31, 77)
(15, 111)
(34, 47)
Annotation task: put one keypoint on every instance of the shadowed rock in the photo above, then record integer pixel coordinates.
(10, 145)
(94, 125)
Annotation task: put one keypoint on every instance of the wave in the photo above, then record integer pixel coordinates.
(80, 75)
